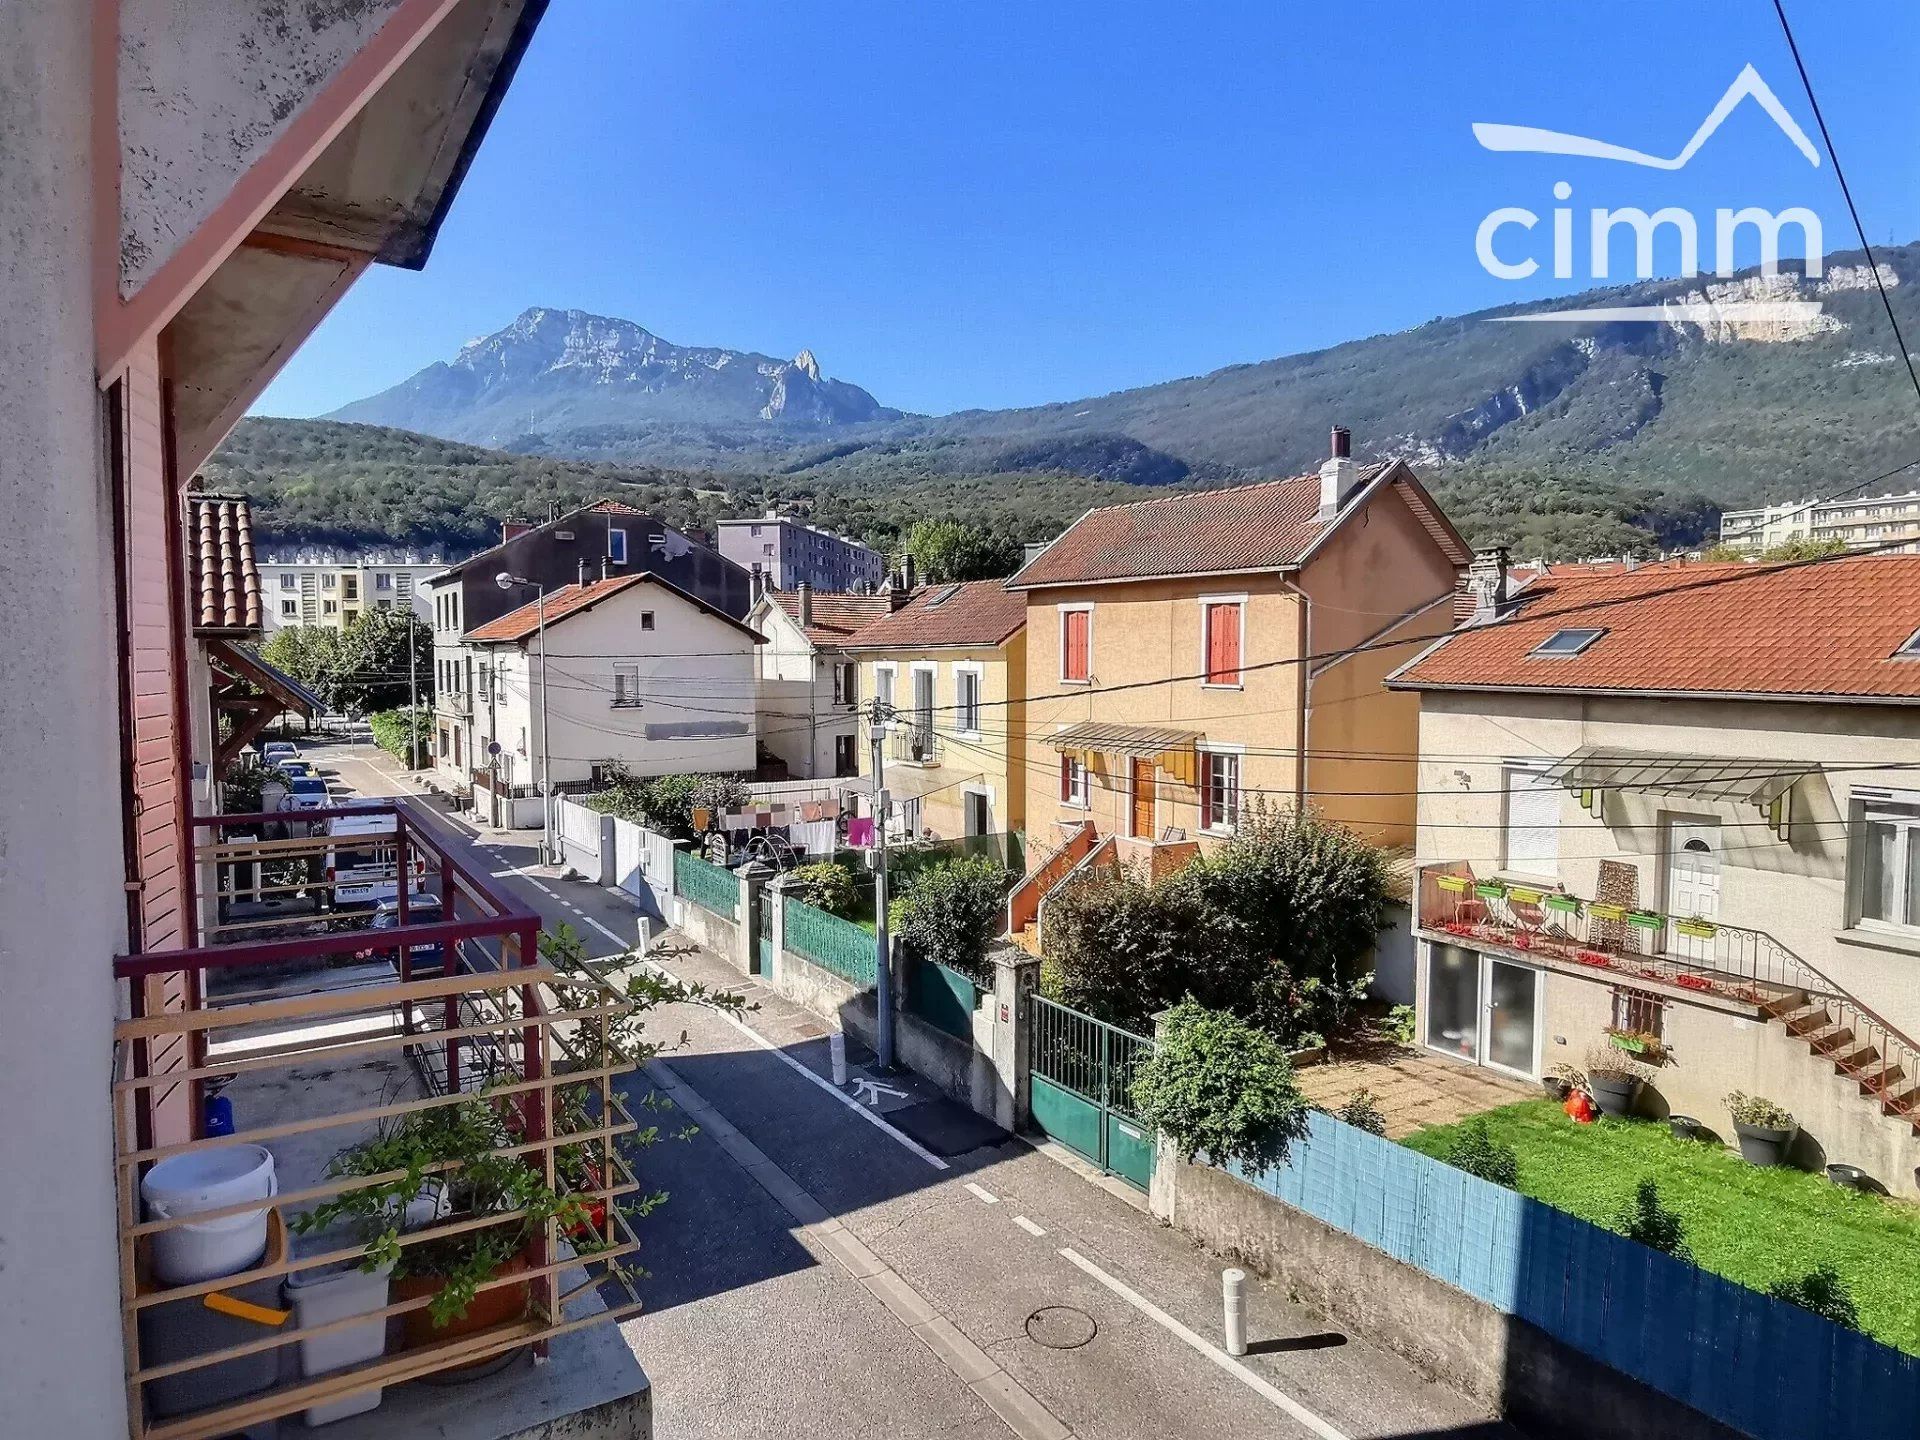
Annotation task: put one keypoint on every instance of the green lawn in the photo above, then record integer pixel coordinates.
(1748, 1223)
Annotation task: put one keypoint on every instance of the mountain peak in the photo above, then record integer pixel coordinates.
(807, 365)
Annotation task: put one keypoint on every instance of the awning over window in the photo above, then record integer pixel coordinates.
(1767, 785)
(1136, 742)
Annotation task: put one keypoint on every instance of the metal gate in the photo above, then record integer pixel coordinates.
(1082, 1073)
(763, 904)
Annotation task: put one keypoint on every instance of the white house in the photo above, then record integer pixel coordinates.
(637, 674)
(808, 687)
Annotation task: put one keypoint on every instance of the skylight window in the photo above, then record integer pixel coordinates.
(945, 595)
(1565, 644)
(1911, 649)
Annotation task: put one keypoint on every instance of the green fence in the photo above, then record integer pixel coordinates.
(943, 997)
(1082, 1084)
(711, 887)
(828, 941)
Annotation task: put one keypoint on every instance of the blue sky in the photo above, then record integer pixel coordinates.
(994, 204)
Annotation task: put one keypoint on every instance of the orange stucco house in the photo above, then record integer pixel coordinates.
(1188, 654)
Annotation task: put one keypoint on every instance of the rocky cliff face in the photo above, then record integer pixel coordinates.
(553, 370)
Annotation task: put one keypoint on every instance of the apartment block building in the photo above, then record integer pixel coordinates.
(333, 588)
(789, 553)
(1857, 521)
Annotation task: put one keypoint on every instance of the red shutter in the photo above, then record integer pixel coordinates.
(1223, 644)
(1066, 778)
(1077, 665)
(1206, 792)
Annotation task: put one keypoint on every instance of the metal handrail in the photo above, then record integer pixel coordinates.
(1082, 830)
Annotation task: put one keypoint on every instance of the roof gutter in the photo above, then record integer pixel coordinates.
(1767, 696)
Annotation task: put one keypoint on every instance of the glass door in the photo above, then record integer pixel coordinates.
(1453, 1001)
(1512, 1029)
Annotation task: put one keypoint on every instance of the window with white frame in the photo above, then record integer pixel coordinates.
(1073, 781)
(626, 684)
(289, 608)
(846, 683)
(1219, 791)
(616, 545)
(1076, 644)
(287, 582)
(1530, 834)
(883, 686)
(1886, 842)
(967, 700)
(383, 581)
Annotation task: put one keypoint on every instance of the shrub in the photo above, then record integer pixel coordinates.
(666, 803)
(1217, 1086)
(240, 789)
(1401, 1025)
(1822, 1291)
(390, 728)
(827, 885)
(950, 911)
(1362, 1111)
(1475, 1151)
(1646, 1219)
(1758, 1111)
(1118, 948)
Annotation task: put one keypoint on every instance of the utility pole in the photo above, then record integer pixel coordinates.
(507, 581)
(882, 967)
(413, 697)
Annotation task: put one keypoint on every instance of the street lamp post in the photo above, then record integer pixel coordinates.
(508, 581)
(882, 968)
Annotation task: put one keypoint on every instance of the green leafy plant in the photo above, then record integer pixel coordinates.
(665, 803)
(1758, 1111)
(240, 788)
(1402, 1025)
(1606, 1063)
(949, 911)
(1646, 1219)
(1362, 1111)
(1822, 1291)
(1475, 1151)
(392, 730)
(827, 885)
(1217, 1086)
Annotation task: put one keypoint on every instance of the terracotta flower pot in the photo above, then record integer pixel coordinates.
(492, 1307)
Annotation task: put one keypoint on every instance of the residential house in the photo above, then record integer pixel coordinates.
(788, 553)
(1681, 801)
(808, 684)
(633, 673)
(329, 588)
(1192, 654)
(950, 666)
(1856, 521)
(191, 189)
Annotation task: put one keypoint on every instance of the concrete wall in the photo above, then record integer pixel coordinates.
(62, 909)
(1511, 1366)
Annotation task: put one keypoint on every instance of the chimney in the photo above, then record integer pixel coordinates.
(1339, 474)
(756, 584)
(511, 528)
(908, 579)
(806, 605)
(1487, 583)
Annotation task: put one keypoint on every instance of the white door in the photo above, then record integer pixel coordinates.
(1510, 1039)
(1693, 883)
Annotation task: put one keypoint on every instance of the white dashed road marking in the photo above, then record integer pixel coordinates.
(986, 1197)
(1027, 1225)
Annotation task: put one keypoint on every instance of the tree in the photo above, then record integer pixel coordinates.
(308, 654)
(1218, 1087)
(1475, 1151)
(952, 550)
(385, 657)
(1121, 948)
(950, 911)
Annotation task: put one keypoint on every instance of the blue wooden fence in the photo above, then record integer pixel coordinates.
(1762, 1366)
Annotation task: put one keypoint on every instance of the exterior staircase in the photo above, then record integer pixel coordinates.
(1859, 1045)
(1081, 850)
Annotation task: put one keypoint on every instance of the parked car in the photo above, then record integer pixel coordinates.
(362, 859)
(292, 769)
(306, 792)
(278, 749)
(426, 959)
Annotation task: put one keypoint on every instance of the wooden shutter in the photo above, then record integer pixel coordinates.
(1223, 644)
(1066, 778)
(1077, 660)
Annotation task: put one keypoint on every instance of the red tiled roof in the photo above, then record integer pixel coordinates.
(980, 612)
(1827, 628)
(836, 616)
(571, 599)
(225, 581)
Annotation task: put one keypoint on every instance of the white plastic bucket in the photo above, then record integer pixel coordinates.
(209, 1180)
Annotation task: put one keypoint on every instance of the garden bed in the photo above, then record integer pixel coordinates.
(1752, 1225)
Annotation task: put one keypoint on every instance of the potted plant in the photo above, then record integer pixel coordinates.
(1562, 1081)
(1764, 1128)
(1643, 1045)
(1614, 1078)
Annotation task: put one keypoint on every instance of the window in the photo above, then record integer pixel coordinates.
(1076, 645)
(1219, 791)
(1220, 627)
(1073, 781)
(327, 581)
(1910, 650)
(626, 684)
(846, 758)
(883, 687)
(755, 532)
(1532, 830)
(1640, 1012)
(616, 545)
(523, 739)
(287, 582)
(846, 684)
(967, 693)
(1887, 839)
(1564, 644)
(383, 581)
(329, 607)
(646, 619)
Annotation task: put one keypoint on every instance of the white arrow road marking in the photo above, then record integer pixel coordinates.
(868, 1092)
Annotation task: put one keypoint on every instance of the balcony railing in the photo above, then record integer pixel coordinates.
(914, 745)
(322, 1042)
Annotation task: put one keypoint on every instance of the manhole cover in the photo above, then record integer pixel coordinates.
(1060, 1327)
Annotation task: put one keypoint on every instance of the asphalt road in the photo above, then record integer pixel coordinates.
(817, 1270)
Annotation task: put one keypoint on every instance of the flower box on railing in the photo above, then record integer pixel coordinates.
(1696, 929)
(1490, 890)
(1646, 920)
(1612, 914)
(1454, 884)
(1521, 895)
(1565, 904)
(1593, 957)
(1693, 982)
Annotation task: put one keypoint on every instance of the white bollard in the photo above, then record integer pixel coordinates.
(646, 934)
(1233, 1295)
(837, 1049)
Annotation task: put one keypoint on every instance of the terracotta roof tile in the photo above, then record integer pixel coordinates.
(980, 612)
(571, 599)
(225, 581)
(1250, 527)
(1828, 628)
(836, 616)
